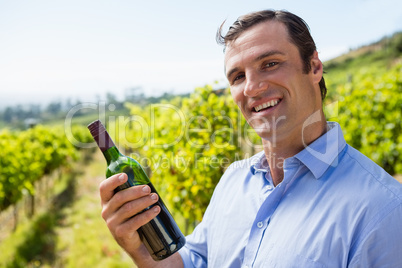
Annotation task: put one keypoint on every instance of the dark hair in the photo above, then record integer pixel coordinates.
(297, 28)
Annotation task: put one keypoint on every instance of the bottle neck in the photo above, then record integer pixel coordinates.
(105, 143)
(111, 154)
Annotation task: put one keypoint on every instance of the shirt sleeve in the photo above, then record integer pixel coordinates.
(381, 246)
(195, 251)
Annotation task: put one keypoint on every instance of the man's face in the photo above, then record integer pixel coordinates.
(265, 72)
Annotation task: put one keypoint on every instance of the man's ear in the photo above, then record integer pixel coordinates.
(316, 67)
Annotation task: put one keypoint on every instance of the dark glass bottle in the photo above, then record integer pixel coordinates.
(161, 236)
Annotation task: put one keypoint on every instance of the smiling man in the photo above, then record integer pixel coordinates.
(307, 200)
(273, 89)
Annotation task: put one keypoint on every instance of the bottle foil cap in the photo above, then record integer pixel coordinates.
(100, 135)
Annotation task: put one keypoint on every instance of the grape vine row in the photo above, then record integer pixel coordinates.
(27, 156)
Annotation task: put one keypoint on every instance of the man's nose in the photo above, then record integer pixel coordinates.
(254, 85)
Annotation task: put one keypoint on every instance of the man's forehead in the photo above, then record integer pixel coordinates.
(264, 31)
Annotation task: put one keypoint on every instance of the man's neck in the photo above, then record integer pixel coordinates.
(277, 152)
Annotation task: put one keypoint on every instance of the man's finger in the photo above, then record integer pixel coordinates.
(106, 188)
(132, 225)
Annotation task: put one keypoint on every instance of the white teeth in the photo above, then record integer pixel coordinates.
(266, 105)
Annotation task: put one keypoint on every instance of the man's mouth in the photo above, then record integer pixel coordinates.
(266, 105)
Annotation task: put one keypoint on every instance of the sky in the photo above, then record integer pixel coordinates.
(81, 49)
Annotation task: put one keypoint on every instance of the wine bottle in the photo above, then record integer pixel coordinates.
(161, 236)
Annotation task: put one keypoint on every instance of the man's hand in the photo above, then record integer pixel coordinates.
(118, 210)
(120, 214)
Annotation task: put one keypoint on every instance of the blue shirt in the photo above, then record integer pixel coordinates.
(334, 208)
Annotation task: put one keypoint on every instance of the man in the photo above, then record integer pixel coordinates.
(307, 200)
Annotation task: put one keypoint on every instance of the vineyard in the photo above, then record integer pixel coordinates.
(28, 156)
(185, 144)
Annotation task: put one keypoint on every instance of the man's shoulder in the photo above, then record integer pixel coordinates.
(366, 172)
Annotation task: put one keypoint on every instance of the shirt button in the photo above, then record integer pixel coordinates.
(269, 187)
(260, 224)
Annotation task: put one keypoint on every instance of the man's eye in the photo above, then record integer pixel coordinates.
(238, 77)
(271, 64)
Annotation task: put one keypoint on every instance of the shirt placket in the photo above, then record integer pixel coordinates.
(263, 217)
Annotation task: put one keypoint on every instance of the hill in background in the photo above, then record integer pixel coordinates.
(381, 55)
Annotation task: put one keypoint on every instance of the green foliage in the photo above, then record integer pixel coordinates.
(70, 232)
(186, 144)
(366, 85)
(370, 113)
(27, 156)
(378, 57)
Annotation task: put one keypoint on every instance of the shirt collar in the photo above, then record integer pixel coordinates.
(317, 156)
(324, 151)
(259, 163)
